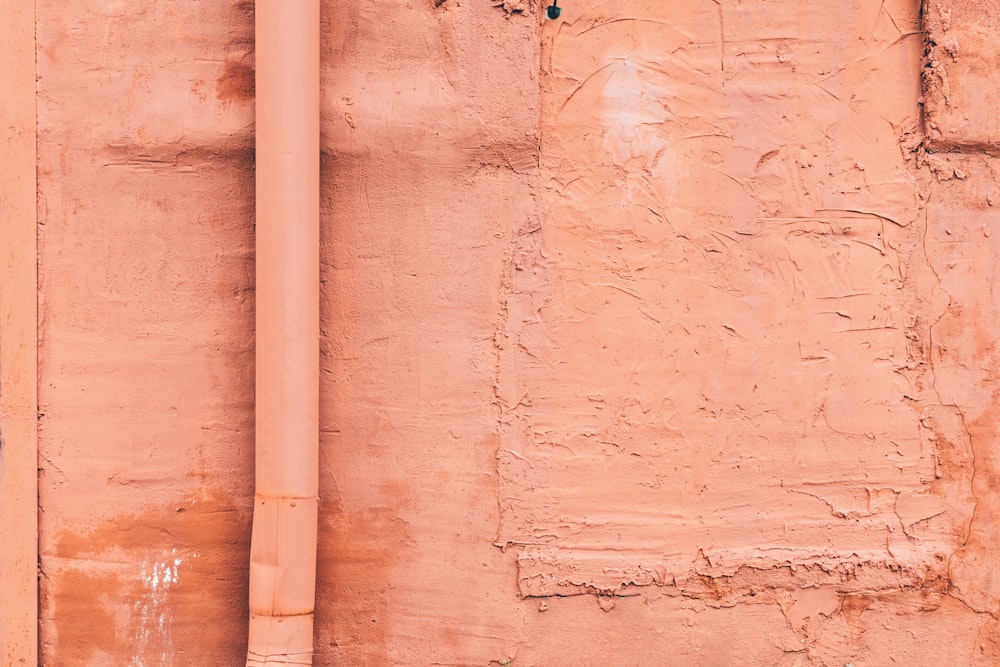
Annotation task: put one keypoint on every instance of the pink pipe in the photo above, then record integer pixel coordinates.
(283, 547)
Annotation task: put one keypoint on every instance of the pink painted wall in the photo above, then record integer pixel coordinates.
(18, 335)
(657, 334)
(145, 163)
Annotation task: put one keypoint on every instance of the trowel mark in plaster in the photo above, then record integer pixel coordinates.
(155, 615)
(646, 103)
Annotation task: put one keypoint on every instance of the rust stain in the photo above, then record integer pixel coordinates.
(236, 83)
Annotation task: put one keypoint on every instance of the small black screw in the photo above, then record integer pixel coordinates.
(552, 11)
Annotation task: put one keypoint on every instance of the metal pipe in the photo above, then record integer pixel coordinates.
(283, 544)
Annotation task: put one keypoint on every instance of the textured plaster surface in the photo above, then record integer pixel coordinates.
(712, 352)
(959, 73)
(651, 335)
(430, 147)
(146, 330)
(18, 362)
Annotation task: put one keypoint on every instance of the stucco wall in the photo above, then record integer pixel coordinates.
(657, 334)
(145, 205)
(18, 318)
(430, 157)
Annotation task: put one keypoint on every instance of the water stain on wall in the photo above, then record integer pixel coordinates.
(113, 594)
(236, 82)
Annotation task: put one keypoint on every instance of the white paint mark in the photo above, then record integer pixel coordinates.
(633, 115)
(154, 641)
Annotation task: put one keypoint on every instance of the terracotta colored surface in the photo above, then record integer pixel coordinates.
(18, 363)
(651, 335)
(717, 406)
(960, 74)
(962, 249)
(429, 154)
(741, 207)
(283, 547)
(146, 351)
(786, 447)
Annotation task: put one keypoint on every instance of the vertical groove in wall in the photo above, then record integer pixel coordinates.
(18, 327)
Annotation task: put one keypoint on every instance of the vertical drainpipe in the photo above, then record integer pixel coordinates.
(283, 546)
